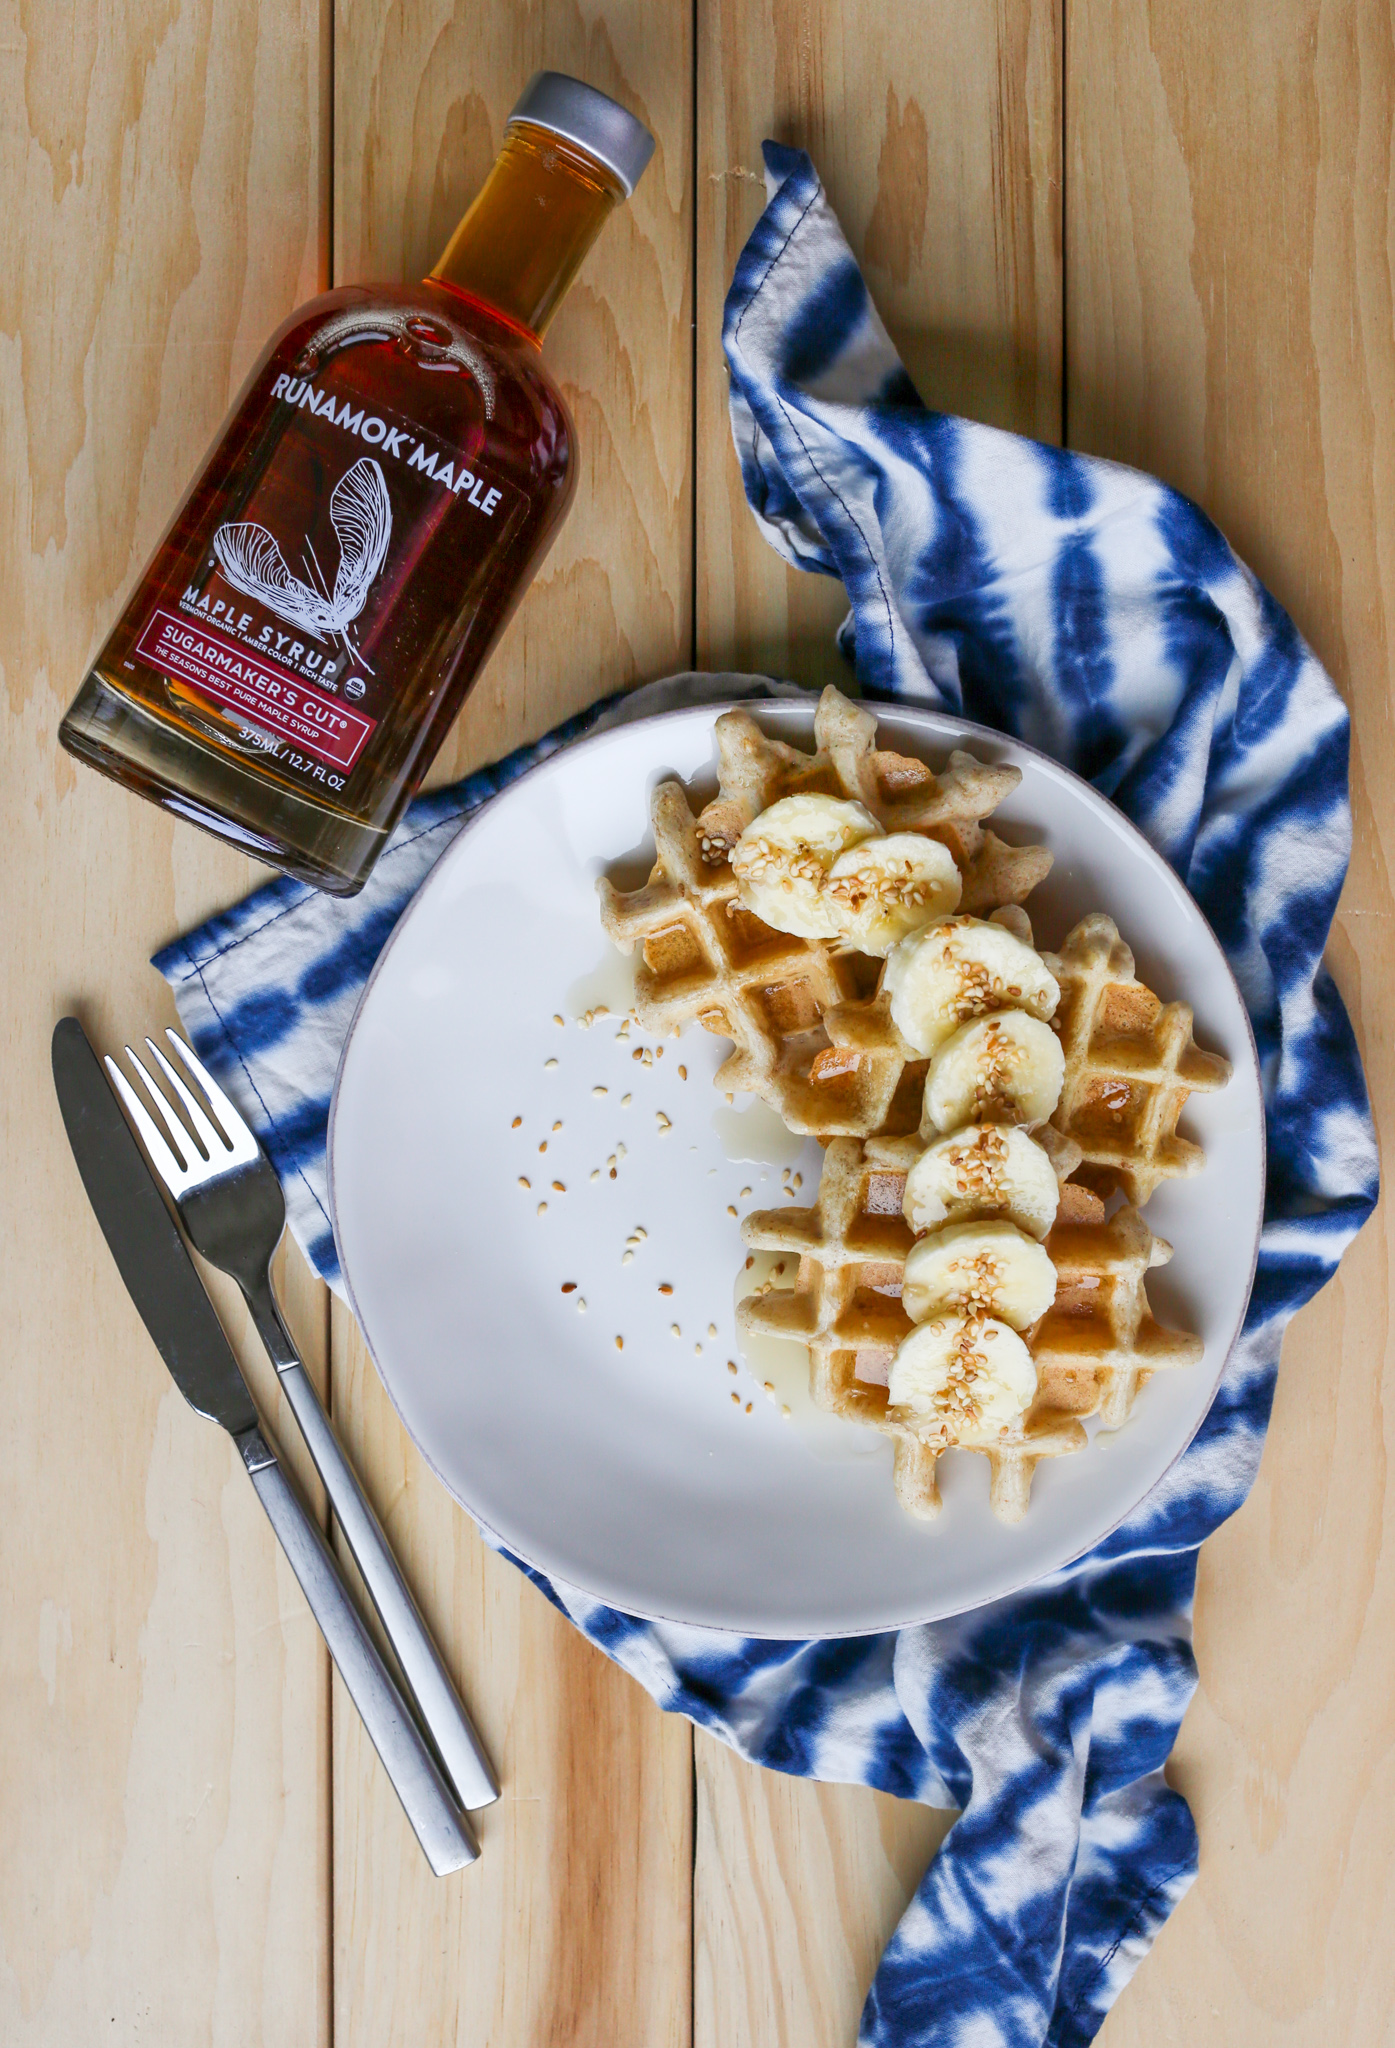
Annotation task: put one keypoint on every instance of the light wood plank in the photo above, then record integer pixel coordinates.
(1230, 327)
(164, 1796)
(575, 1925)
(937, 139)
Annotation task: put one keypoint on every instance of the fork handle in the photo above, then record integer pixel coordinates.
(444, 1832)
(447, 1723)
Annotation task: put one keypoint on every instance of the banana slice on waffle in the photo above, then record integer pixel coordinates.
(709, 957)
(1092, 1351)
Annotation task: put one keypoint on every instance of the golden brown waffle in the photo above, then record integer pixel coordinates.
(1131, 1063)
(1093, 1350)
(706, 957)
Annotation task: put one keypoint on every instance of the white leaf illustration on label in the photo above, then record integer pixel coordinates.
(251, 559)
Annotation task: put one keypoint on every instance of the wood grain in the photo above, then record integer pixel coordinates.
(576, 1924)
(950, 200)
(1228, 292)
(176, 1867)
(164, 1797)
(422, 90)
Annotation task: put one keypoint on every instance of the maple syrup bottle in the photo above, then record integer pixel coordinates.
(388, 480)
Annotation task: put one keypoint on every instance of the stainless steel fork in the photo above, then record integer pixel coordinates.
(232, 1207)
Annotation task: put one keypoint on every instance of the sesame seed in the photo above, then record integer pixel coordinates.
(580, 1305)
(543, 1146)
(665, 1287)
(569, 1287)
(674, 1329)
(736, 1397)
(620, 1151)
(558, 1125)
(749, 1263)
(625, 1101)
(595, 1173)
(711, 1329)
(600, 1091)
(749, 1406)
(516, 1122)
(558, 1188)
(523, 1181)
(627, 1258)
(548, 1065)
(731, 1365)
(697, 1351)
(612, 1173)
(731, 1209)
(742, 1196)
(663, 1122)
(619, 1343)
(557, 1018)
(682, 1073)
(784, 1413)
(542, 1208)
(658, 1052)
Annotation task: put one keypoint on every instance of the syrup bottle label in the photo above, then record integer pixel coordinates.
(291, 627)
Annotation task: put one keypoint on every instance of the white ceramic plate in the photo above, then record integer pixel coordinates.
(630, 1472)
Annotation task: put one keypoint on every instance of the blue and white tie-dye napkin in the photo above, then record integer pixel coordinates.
(1100, 616)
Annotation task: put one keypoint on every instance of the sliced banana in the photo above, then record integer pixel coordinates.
(963, 1379)
(984, 1170)
(988, 1269)
(782, 859)
(963, 967)
(881, 889)
(1003, 1069)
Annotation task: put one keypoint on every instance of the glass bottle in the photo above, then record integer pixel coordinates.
(384, 488)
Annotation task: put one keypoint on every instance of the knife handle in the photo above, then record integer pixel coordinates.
(447, 1723)
(445, 1833)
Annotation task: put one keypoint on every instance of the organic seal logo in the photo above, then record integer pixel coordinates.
(251, 560)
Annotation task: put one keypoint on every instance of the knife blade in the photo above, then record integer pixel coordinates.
(143, 1238)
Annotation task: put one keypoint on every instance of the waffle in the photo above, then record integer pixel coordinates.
(1094, 1349)
(1131, 1063)
(705, 957)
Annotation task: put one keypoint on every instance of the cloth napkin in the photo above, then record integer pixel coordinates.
(1102, 617)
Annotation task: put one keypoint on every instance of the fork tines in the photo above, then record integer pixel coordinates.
(181, 1160)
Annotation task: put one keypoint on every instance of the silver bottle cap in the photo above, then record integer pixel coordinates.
(595, 123)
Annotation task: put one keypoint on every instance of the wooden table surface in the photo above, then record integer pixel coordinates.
(1162, 233)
